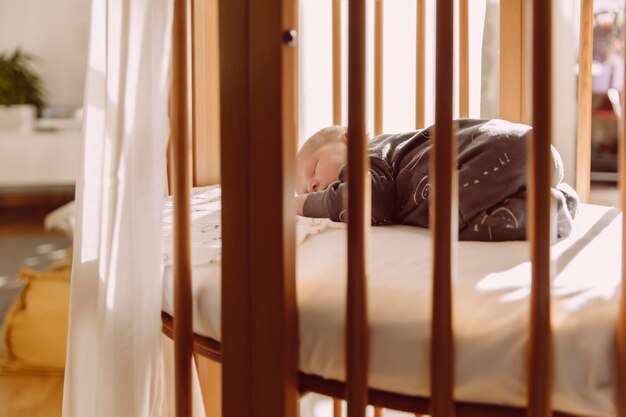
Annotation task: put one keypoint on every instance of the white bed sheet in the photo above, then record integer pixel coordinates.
(490, 312)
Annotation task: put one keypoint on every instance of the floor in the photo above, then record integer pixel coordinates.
(31, 395)
(24, 242)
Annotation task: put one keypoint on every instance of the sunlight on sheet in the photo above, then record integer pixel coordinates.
(572, 288)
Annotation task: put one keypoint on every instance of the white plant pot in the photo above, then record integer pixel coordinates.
(18, 119)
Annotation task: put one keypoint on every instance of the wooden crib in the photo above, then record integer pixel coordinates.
(258, 129)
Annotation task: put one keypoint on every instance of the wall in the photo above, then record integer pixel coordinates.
(57, 32)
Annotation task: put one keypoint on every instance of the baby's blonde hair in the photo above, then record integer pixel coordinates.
(322, 137)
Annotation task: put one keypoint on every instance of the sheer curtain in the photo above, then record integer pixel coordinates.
(114, 362)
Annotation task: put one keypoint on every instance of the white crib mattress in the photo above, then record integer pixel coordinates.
(490, 312)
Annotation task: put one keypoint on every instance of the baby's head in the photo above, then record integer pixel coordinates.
(320, 159)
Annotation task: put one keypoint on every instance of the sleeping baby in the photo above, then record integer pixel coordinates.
(491, 162)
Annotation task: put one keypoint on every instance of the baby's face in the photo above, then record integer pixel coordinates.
(317, 169)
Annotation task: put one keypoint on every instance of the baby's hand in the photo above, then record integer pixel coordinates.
(300, 198)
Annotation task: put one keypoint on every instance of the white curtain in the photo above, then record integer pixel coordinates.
(114, 363)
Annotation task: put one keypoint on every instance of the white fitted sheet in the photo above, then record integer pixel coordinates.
(490, 312)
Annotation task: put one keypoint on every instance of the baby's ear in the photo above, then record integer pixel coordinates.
(344, 137)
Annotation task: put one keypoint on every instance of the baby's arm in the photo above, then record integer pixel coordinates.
(329, 203)
(300, 199)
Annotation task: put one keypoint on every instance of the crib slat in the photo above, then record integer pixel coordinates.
(583, 141)
(337, 76)
(259, 314)
(196, 9)
(183, 331)
(206, 123)
(337, 410)
(463, 58)
(621, 319)
(359, 209)
(420, 65)
(236, 340)
(444, 219)
(378, 66)
(512, 88)
(539, 206)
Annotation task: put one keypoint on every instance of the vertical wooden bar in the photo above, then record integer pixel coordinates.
(540, 213)
(337, 76)
(206, 123)
(583, 140)
(258, 52)
(420, 65)
(183, 331)
(337, 412)
(444, 219)
(512, 60)
(463, 58)
(359, 208)
(273, 122)
(236, 220)
(621, 318)
(210, 379)
(378, 412)
(378, 66)
(194, 24)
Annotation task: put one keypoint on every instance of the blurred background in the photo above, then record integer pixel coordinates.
(608, 80)
(43, 61)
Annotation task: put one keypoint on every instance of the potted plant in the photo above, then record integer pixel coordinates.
(21, 92)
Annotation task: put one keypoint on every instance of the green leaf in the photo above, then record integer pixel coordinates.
(19, 82)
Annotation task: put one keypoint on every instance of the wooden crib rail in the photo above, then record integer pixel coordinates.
(443, 220)
(539, 210)
(513, 69)
(359, 208)
(583, 139)
(420, 65)
(258, 51)
(620, 398)
(181, 181)
(337, 73)
(464, 90)
(378, 66)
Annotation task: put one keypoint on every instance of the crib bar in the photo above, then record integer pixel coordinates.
(464, 58)
(583, 140)
(378, 66)
(420, 65)
(378, 412)
(183, 331)
(236, 236)
(205, 63)
(259, 315)
(620, 398)
(444, 219)
(337, 76)
(359, 208)
(194, 14)
(337, 410)
(512, 60)
(540, 344)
